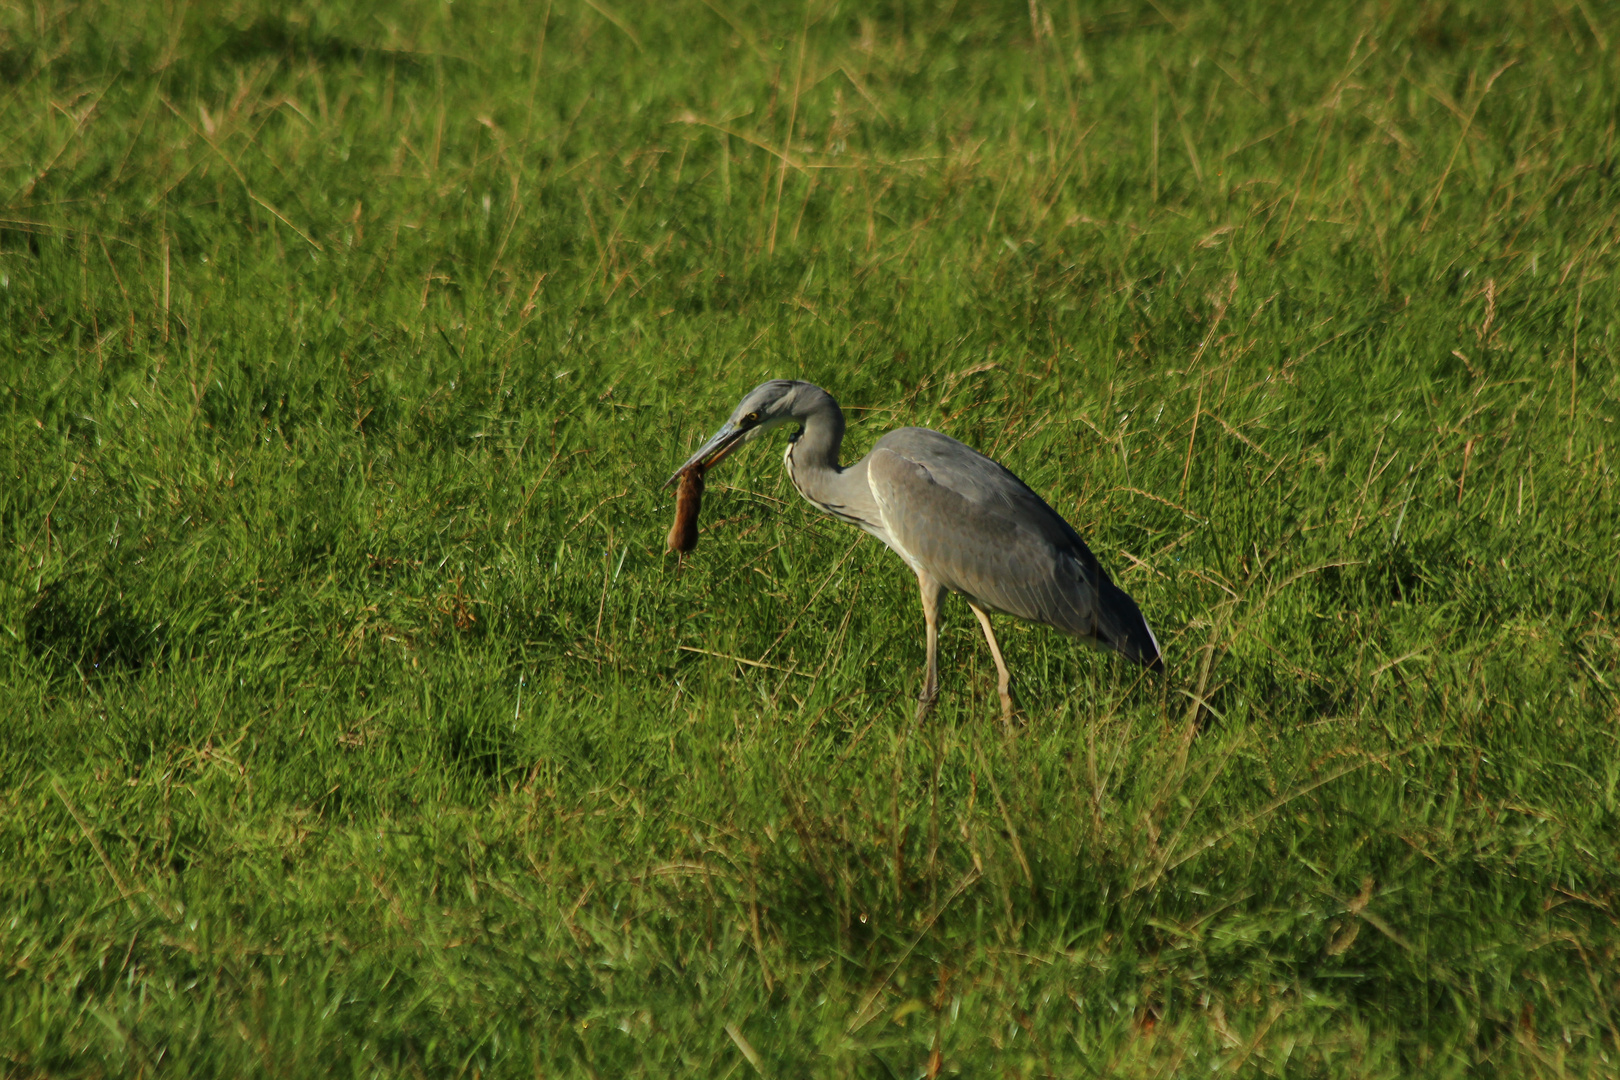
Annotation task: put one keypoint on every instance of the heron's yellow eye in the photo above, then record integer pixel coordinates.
(751, 418)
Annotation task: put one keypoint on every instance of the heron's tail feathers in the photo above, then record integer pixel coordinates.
(1126, 631)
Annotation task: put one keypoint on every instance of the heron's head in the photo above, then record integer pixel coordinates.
(768, 405)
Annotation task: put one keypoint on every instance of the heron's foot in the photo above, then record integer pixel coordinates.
(925, 703)
(1004, 691)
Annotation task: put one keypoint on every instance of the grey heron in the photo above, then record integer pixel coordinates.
(962, 522)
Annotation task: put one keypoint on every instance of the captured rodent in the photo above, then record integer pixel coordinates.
(688, 500)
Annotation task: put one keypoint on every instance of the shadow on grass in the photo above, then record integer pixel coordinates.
(81, 637)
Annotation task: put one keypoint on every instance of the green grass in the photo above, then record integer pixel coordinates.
(356, 721)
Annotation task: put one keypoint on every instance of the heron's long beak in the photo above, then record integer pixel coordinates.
(711, 453)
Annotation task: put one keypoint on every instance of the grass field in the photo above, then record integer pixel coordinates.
(356, 721)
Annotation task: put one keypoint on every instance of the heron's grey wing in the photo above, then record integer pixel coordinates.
(980, 531)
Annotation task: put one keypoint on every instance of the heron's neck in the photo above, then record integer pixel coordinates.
(812, 458)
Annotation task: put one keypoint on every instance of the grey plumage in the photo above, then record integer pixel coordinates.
(962, 522)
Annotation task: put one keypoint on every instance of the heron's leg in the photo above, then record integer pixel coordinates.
(931, 592)
(1003, 679)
